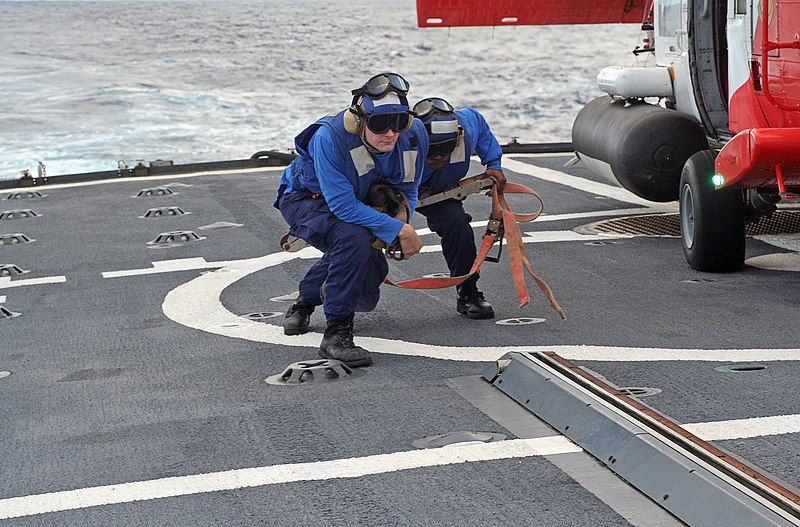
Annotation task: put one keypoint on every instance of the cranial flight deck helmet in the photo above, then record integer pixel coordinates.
(441, 123)
(380, 104)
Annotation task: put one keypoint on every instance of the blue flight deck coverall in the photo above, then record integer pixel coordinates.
(448, 218)
(321, 196)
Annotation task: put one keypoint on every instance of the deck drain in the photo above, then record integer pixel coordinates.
(157, 191)
(740, 368)
(457, 438)
(779, 222)
(263, 315)
(519, 321)
(17, 214)
(4, 374)
(27, 194)
(220, 225)
(7, 313)
(311, 371)
(168, 238)
(164, 211)
(10, 270)
(699, 280)
(13, 239)
(639, 391)
(641, 225)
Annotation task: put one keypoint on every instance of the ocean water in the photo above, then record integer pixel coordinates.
(86, 84)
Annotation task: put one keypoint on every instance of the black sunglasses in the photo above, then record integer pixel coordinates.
(379, 123)
(442, 148)
(427, 107)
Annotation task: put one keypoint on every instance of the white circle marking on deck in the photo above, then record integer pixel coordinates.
(196, 304)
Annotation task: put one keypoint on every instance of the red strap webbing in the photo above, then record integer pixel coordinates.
(501, 220)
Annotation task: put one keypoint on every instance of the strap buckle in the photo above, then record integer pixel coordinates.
(496, 230)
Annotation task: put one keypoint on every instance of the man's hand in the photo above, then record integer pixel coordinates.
(499, 177)
(409, 241)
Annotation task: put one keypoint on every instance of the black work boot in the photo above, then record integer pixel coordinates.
(471, 303)
(298, 317)
(337, 344)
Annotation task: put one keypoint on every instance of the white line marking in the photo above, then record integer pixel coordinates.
(6, 282)
(189, 264)
(260, 476)
(166, 266)
(2, 299)
(776, 262)
(566, 236)
(584, 185)
(744, 428)
(196, 304)
(790, 242)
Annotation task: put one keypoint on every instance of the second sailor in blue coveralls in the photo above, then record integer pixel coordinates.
(322, 197)
(454, 136)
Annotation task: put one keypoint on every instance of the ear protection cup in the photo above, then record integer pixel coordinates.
(353, 122)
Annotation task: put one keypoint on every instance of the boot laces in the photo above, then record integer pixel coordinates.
(346, 334)
(343, 328)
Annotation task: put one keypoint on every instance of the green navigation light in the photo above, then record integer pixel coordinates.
(717, 180)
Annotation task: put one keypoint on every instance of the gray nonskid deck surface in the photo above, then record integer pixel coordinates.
(105, 388)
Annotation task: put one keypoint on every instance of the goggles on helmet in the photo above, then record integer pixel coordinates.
(430, 106)
(381, 84)
(380, 123)
(443, 148)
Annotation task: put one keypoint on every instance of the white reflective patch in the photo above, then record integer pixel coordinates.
(389, 98)
(460, 153)
(444, 127)
(409, 165)
(362, 160)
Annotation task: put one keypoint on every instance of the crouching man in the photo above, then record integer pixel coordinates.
(322, 196)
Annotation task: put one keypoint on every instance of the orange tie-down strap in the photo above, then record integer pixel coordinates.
(502, 220)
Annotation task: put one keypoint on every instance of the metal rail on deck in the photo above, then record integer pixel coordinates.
(694, 480)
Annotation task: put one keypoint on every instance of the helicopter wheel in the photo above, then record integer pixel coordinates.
(712, 221)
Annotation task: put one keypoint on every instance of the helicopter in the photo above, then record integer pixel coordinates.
(712, 121)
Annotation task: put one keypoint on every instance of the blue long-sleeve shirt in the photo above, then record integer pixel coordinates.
(336, 164)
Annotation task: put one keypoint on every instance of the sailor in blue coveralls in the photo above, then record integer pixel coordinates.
(322, 197)
(454, 136)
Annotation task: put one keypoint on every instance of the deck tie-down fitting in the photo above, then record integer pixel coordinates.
(18, 213)
(319, 370)
(167, 238)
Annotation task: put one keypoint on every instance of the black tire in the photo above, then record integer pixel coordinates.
(712, 221)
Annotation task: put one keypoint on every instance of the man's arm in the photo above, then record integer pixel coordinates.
(340, 194)
(487, 146)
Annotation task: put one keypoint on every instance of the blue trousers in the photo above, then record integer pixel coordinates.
(450, 221)
(350, 268)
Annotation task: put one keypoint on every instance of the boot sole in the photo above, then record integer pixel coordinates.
(485, 316)
(298, 331)
(350, 364)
